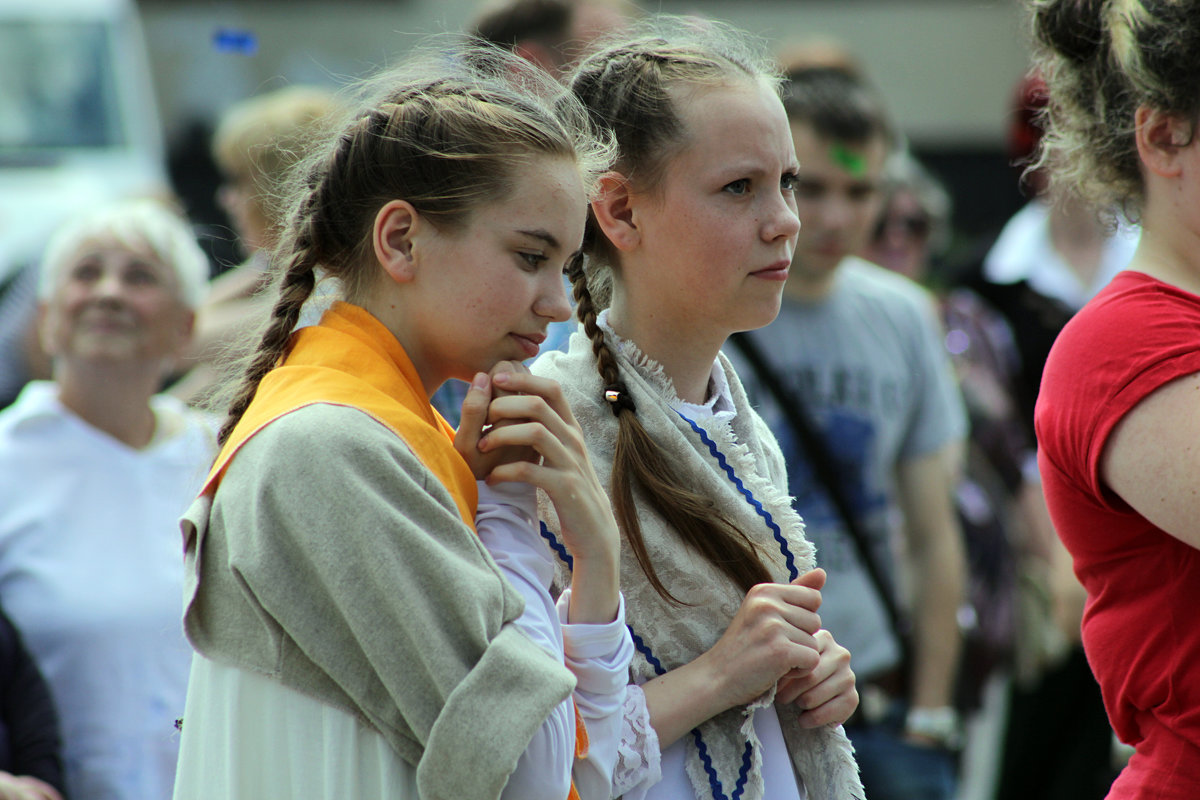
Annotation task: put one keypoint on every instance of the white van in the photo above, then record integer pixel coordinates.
(78, 126)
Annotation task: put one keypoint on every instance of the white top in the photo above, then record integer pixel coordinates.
(91, 572)
(641, 774)
(1023, 251)
(303, 749)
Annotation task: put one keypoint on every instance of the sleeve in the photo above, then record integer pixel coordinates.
(29, 714)
(1119, 349)
(356, 560)
(939, 416)
(598, 655)
(639, 760)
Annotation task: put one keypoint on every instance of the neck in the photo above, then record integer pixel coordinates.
(1169, 248)
(1169, 256)
(685, 355)
(113, 400)
(1078, 236)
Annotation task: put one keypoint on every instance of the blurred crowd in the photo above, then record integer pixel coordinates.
(958, 601)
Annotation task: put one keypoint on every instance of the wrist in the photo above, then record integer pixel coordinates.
(938, 725)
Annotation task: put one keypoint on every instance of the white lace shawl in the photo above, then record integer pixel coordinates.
(726, 751)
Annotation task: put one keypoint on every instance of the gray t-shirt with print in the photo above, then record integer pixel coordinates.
(868, 362)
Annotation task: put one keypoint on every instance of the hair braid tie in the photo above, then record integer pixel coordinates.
(619, 399)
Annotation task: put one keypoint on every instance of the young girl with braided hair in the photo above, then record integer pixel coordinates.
(355, 638)
(735, 683)
(1116, 417)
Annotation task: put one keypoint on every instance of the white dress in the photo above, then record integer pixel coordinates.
(246, 736)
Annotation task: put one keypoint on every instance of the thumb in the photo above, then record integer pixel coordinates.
(474, 413)
(813, 579)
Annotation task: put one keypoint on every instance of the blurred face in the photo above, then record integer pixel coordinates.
(837, 197)
(485, 292)
(715, 239)
(237, 200)
(115, 304)
(901, 239)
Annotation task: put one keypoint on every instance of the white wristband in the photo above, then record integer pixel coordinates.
(939, 724)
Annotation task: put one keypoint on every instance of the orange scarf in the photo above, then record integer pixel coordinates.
(351, 359)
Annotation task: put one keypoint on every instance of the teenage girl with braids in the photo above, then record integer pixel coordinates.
(355, 639)
(1117, 423)
(690, 239)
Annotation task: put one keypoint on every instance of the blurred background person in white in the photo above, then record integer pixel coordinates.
(95, 469)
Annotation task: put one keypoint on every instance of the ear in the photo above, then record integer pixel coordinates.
(43, 328)
(538, 54)
(392, 239)
(1161, 138)
(614, 211)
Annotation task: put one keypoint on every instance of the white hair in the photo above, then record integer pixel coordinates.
(134, 224)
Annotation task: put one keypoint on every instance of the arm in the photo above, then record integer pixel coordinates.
(925, 484)
(535, 439)
(1152, 458)
(597, 654)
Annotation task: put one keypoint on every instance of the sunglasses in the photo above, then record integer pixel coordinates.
(916, 226)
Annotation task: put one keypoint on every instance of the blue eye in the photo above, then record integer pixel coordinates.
(534, 260)
(738, 187)
(788, 182)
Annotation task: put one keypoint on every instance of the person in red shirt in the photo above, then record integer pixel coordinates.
(1116, 418)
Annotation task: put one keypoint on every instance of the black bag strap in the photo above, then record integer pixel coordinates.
(821, 460)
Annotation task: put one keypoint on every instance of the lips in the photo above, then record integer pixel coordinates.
(529, 342)
(776, 272)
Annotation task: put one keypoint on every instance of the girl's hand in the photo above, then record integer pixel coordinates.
(827, 694)
(772, 634)
(542, 444)
(474, 423)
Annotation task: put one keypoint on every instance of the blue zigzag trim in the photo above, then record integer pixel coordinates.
(557, 547)
(714, 781)
(750, 498)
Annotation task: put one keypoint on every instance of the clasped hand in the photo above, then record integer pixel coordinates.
(518, 427)
(776, 639)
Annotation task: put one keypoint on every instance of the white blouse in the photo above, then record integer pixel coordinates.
(645, 774)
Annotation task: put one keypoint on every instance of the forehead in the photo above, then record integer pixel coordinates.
(547, 192)
(857, 161)
(739, 120)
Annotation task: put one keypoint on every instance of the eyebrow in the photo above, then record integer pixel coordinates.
(543, 235)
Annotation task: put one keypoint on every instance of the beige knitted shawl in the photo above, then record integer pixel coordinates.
(723, 753)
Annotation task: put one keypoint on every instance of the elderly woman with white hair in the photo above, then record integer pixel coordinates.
(95, 469)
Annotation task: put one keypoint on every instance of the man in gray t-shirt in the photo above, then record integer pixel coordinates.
(860, 347)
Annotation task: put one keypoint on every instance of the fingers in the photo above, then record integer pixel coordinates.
(471, 424)
(828, 693)
(813, 579)
(524, 382)
(796, 604)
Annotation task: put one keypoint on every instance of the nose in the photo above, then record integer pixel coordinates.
(781, 221)
(109, 286)
(552, 300)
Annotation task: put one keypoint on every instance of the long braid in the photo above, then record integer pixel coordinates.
(296, 285)
(639, 461)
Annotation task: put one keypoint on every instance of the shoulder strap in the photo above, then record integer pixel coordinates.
(821, 460)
